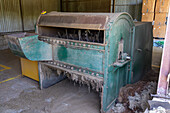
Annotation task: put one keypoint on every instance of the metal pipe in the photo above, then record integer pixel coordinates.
(165, 65)
(22, 20)
(111, 6)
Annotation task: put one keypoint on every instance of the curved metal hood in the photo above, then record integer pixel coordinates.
(97, 21)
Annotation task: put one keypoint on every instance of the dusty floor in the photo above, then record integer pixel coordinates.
(22, 95)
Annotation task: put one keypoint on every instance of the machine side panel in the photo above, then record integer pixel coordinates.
(89, 59)
(117, 76)
(34, 49)
(142, 50)
(28, 46)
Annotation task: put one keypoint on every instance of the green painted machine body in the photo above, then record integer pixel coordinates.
(142, 51)
(106, 64)
(27, 45)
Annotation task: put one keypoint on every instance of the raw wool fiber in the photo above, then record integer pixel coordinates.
(3, 43)
(140, 101)
(134, 97)
(158, 110)
(119, 108)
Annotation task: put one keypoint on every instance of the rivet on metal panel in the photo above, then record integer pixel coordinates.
(84, 45)
(75, 44)
(58, 64)
(72, 68)
(84, 71)
(80, 70)
(88, 45)
(64, 65)
(92, 74)
(54, 63)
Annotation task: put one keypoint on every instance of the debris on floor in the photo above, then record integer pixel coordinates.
(157, 110)
(119, 108)
(134, 97)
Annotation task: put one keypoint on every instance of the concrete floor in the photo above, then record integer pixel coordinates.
(22, 95)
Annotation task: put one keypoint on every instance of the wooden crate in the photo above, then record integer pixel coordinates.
(148, 6)
(159, 31)
(162, 6)
(147, 17)
(161, 19)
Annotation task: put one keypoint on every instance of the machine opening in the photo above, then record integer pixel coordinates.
(120, 49)
(96, 36)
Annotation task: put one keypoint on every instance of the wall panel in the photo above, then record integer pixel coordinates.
(31, 9)
(11, 16)
(133, 7)
(86, 5)
(13, 12)
(51, 5)
(1, 17)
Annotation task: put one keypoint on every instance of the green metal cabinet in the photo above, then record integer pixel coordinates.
(143, 45)
(95, 49)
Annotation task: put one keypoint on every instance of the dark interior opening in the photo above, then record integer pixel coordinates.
(96, 36)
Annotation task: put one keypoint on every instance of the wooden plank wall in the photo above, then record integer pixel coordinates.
(133, 7)
(15, 12)
(86, 5)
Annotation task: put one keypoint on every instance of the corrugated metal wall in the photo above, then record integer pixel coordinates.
(12, 17)
(35, 8)
(133, 7)
(86, 5)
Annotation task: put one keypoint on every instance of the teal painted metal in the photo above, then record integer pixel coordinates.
(28, 46)
(90, 59)
(108, 65)
(119, 29)
(142, 51)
